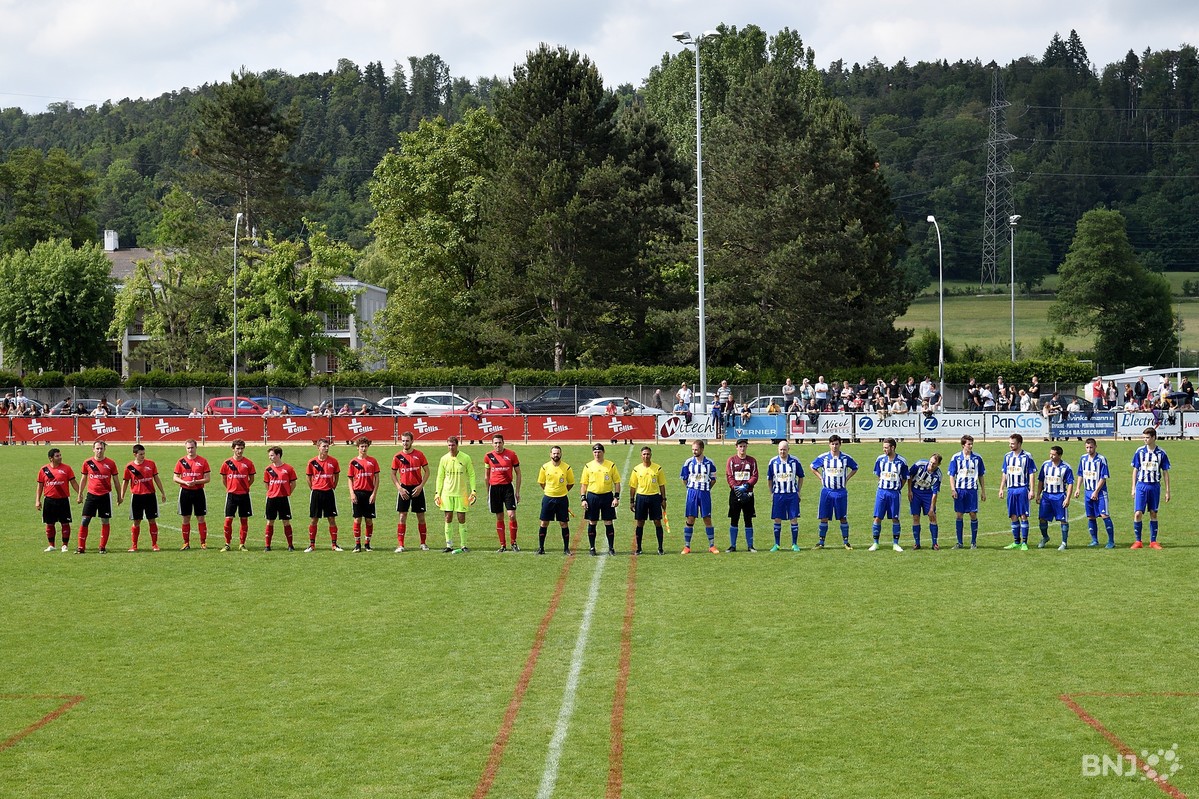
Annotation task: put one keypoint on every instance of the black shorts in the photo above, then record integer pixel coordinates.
(322, 504)
(193, 502)
(647, 506)
(414, 504)
(741, 507)
(501, 497)
(238, 505)
(278, 508)
(97, 506)
(555, 509)
(143, 506)
(599, 506)
(56, 510)
(362, 506)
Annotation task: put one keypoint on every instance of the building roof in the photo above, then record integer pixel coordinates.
(123, 261)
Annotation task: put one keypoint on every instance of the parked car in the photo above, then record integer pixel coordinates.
(566, 399)
(79, 407)
(760, 404)
(599, 407)
(491, 406)
(1084, 405)
(282, 407)
(432, 403)
(152, 406)
(361, 405)
(223, 406)
(394, 403)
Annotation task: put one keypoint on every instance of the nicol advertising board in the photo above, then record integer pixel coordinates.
(676, 427)
(836, 423)
(764, 426)
(900, 426)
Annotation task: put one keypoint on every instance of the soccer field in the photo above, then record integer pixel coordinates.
(829, 673)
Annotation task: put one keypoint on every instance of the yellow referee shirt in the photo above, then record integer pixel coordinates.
(600, 478)
(647, 479)
(556, 479)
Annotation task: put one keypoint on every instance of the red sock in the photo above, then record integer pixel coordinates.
(312, 534)
(499, 532)
(134, 532)
(401, 529)
(370, 530)
(153, 533)
(66, 534)
(81, 536)
(50, 534)
(228, 532)
(333, 533)
(512, 530)
(187, 534)
(270, 531)
(287, 532)
(245, 528)
(203, 528)
(105, 530)
(357, 532)
(424, 531)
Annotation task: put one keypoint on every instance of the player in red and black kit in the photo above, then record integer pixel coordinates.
(323, 473)
(55, 482)
(191, 475)
(280, 482)
(409, 473)
(141, 479)
(364, 487)
(238, 475)
(741, 472)
(501, 473)
(100, 475)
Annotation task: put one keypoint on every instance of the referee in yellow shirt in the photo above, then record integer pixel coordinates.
(599, 488)
(556, 480)
(647, 496)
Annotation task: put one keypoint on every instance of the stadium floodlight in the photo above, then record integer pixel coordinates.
(685, 38)
(236, 224)
(941, 311)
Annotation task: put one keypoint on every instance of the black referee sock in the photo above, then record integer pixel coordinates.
(565, 539)
(610, 531)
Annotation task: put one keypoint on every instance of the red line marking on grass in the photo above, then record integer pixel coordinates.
(1121, 747)
(616, 747)
(71, 701)
(518, 694)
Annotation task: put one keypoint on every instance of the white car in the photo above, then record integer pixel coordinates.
(394, 403)
(599, 407)
(431, 403)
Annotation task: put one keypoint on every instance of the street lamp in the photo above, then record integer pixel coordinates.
(941, 311)
(236, 223)
(1012, 221)
(685, 38)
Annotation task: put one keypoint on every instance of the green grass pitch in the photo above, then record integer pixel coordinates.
(812, 674)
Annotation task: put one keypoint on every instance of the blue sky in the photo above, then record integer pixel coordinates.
(89, 51)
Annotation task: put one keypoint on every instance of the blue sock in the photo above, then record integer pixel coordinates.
(1093, 529)
(845, 532)
(1024, 531)
(687, 531)
(823, 529)
(1016, 530)
(895, 531)
(1153, 529)
(876, 530)
(749, 536)
(1044, 525)
(778, 532)
(916, 534)
(1111, 529)
(732, 537)
(957, 526)
(933, 529)
(795, 534)
(1065, 531)
(973, 532)
(711, 533)
(1136, 529)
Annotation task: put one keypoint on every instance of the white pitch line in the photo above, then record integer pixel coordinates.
(549, 776)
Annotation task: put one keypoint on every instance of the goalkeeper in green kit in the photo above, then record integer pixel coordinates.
(455, 492)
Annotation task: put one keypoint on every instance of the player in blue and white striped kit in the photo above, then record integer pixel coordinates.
(835, 470)
(785, 475)
(1092, 477)
(698, 475)
(966, 472)
(924, 484)
(1150, 470)
(1018, 469)
(892, 472)
(1054, 480)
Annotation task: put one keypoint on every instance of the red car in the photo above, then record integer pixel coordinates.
(223, 406)
(488, 406)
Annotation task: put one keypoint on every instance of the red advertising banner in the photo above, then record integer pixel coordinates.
(349, 429)
(170, 429)
(429, 428)
(252, 429)
(623, 427)
(512, 428)
(559, 428)
(296, 428)
(44, 429)
(109, 428)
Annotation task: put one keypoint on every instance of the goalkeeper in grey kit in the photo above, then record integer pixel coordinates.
(741, 472)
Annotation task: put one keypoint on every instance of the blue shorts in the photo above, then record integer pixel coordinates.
(1148, 497)
(1017, 501)
(699, 503)
(1052, 508)
(967, 501)
(886, 504)
(647, 506)
(1095, 507)
(834, 503)
(921, 504)
(784, 506)
(555, 509)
